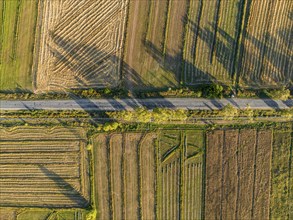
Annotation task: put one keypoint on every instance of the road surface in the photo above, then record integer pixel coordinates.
(129, 104)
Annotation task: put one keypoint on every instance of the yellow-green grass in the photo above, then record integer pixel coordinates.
(144, 65)
(179, 174)
(280, 193)
(210, 41)
(18, 23)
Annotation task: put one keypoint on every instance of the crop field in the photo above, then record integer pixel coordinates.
(238, 42)
(228, 173)
(140, 45)
(282, 178)
(17, 28)
(154, 44)
(266, 44)
(80, 44)
(248, 174)
(44, 168)
(149, 175)
(238, 174)
(235, 42)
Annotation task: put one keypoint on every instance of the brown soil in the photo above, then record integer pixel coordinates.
(148, 176)
(246, 154)
(213, 175)
(261, 202)
(229, 166)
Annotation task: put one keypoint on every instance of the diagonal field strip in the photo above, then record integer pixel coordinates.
(80, 44)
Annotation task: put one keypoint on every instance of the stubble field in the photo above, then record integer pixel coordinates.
(43, 168)
(149, 175)
(80, 44)
(141, 45)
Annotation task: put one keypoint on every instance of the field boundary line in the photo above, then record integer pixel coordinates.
(290, 192)
(2, 28)
(254, 173)
(37, 42)
(16, 28)
(169, 6)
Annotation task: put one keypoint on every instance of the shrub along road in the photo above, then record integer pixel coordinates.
(129, 104)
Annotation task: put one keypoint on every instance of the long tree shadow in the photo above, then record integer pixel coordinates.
(66, 189)
(86, 63)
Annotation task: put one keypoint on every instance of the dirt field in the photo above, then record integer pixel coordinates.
(43, 168)
(148, 177)
(80, 44)
(238, 167)
(17, 25)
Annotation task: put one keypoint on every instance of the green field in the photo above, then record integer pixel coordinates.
(17, 23)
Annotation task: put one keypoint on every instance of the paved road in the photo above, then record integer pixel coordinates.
(121, 104)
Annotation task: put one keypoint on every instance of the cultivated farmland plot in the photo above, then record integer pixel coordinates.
(43, 168)
(154, 44)
(138, 177)
(80, 44)
(248, 174)
(238, 42)
(17, 28)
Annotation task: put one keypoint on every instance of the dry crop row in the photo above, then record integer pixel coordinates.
(38, 169)
(180, 170)
(137, 177)
(80, 44)
(266, 51)
(238, 43)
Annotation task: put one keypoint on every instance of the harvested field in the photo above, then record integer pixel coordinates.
(131, 177)
(134, 179)
(238, 174)
(266, 51)
(17, 28)
(280, 189)
(101, 170)
(238, 43)
(116, 161)
(119, 172)
(210, 41)
(148, 177)
(180, 174)
(213, 175)
(80, 44)
(192, 175)
(44, 167)
(155, 29)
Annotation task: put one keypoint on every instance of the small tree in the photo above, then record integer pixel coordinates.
(229, 111)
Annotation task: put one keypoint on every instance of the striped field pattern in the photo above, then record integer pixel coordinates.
(80, 44)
